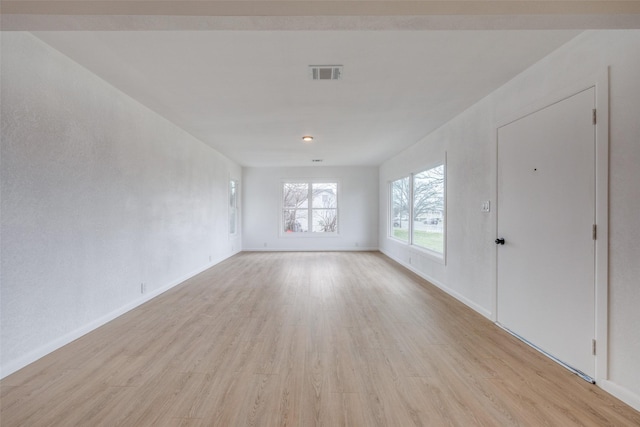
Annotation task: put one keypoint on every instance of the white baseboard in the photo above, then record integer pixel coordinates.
(610, 387)
(335, 249)
(15, 365)
(621, 393)
(478, 308)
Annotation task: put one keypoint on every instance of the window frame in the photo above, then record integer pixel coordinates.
(413, 198)
(430, 253)
(309, 182)
(392, 214)
(233, 207)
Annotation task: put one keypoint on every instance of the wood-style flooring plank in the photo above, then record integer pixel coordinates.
(303, 339)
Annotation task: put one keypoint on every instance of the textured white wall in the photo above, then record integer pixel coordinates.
(469, 179)
(99, 194)
(357, 205)
(470, 142)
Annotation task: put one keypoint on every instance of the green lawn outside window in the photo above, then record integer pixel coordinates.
(425, 239)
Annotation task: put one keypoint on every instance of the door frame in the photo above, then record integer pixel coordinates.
(600, 82)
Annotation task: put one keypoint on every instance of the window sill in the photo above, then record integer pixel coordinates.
(395, 239)
(427, 253)
(307, 235)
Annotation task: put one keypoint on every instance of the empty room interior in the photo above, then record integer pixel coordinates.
(311, 212)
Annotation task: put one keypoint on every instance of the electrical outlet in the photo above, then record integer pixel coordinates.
(143, 288)
(485, 206)
(409, 260)
(209, 258)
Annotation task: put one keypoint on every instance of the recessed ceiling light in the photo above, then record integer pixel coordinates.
(307, 138)
(316, 160)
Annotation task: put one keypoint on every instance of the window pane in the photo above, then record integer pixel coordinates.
(296, 220)
(428, 209)
(232, 193)
(400, 209)
(232, 221)
(324, 195)
(295, 195)
(233, 203)
(310, 207)
(325, 220)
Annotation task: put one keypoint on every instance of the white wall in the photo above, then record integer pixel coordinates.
(470, 143)
(99, 194)
(357, 209)
(469, 180)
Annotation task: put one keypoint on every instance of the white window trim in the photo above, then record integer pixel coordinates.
(309, 234)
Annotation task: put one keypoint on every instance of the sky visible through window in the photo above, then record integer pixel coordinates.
(310, 207)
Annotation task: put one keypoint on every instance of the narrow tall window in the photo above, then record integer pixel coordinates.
(400, 193)
(233, 206)
(324, 207)
(428, 209)
(310, 207)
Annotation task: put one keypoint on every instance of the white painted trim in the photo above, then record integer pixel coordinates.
(445, 213)
(602, 221)
(474, 306)
(59, 342)
(427, 253)
(310, 235)
(621, 393)
(333, 249)
(419, 250)
(494, 254)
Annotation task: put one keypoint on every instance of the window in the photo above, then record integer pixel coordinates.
(310, 207)
(428, 209)
(400, 209)
(233, 206)
(417, 209)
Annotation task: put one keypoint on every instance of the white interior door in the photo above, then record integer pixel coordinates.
(546, 212)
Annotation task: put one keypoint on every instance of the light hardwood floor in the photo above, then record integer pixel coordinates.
(303, 339)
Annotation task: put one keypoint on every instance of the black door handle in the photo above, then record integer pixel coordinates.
(500, 241)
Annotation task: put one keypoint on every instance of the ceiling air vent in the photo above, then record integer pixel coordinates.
(326, 72)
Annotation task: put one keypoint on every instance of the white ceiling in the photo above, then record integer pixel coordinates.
(248, 93)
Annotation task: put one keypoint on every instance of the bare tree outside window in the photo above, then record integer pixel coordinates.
(233, 206)
(310, 207)
(296, 203)
(428, 193)
(325, 207)
(417, 209)
(428, 209)
(400, 199)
